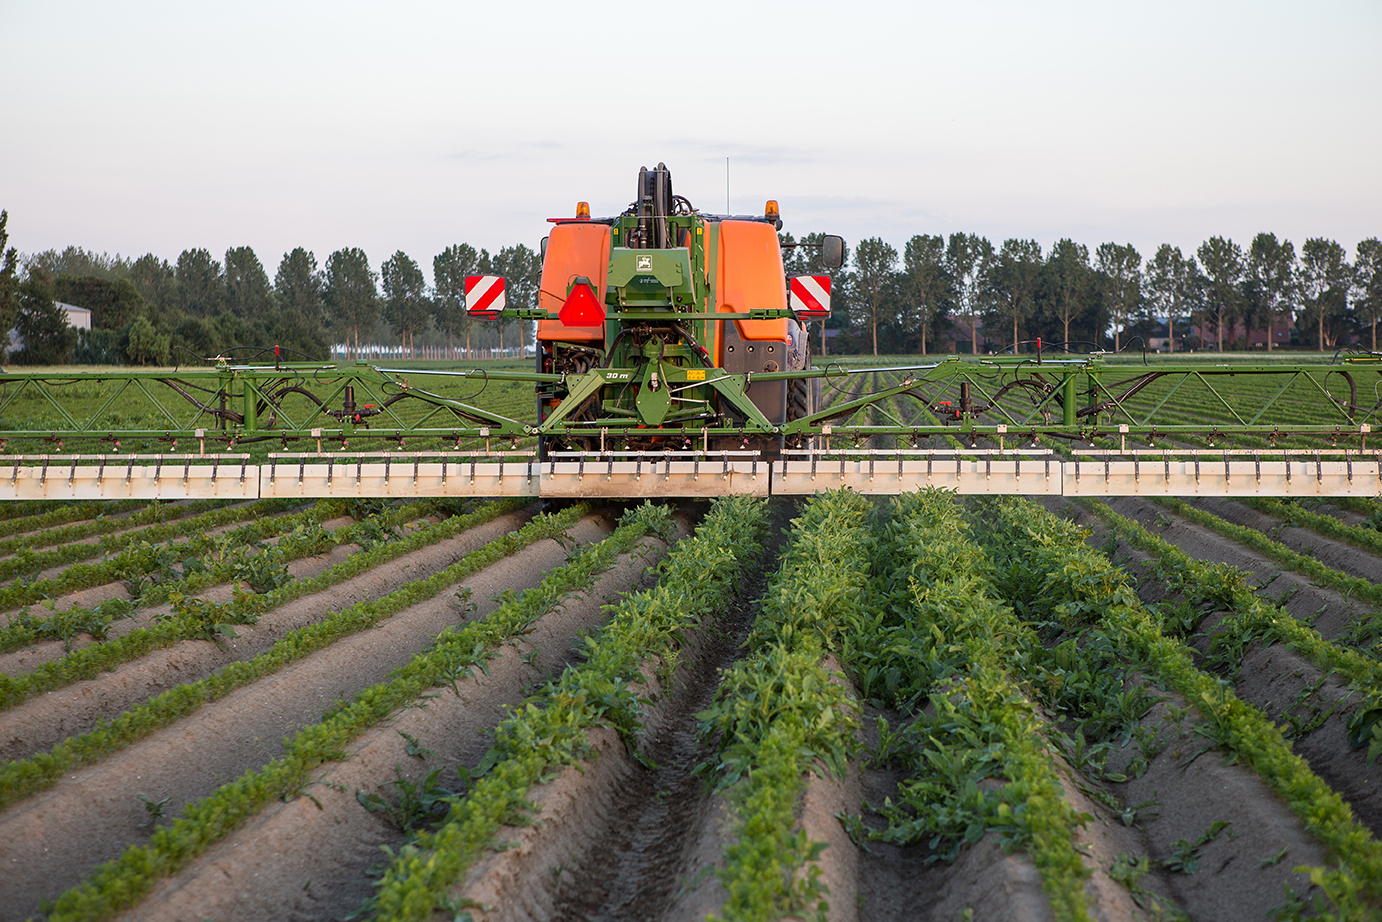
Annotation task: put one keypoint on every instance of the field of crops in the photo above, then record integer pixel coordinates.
(910, 708)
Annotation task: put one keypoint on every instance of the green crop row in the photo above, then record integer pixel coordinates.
(780, 711)
(1252, 618)
(103, 521)
(552, 730)
(237, 555)
(1327, 525)
(195, 618)
(1094, 603)
(27, 562)
(1371, 508)
(944, 635)
(146, 557)
(1265, 545)
(42, 514)
(21, 778)
(234, 556)
(121, 883)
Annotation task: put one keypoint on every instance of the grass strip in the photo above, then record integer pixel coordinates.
(552, 730)
(1081, 584)
(121, 883)
(22, 778)
(193, 619)
(1276, 551)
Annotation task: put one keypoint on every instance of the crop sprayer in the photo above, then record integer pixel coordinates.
(673, 360)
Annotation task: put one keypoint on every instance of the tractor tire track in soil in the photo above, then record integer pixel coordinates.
(49, 842)
(618, 840)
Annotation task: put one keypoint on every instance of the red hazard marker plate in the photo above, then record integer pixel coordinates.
(582, 308)
(811, 295)
(484, 295)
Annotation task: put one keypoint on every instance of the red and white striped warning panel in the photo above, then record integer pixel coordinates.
(484, 295)
(811, 295)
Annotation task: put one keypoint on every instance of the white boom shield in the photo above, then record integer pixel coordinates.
(704, 474)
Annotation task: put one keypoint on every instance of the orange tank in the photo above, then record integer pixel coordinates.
(573, 249)
(750, 276)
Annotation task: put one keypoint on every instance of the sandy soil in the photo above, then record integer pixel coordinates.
(38, 724)
(49, 842)
(266, 871)
(617, 840)
(1280, 682)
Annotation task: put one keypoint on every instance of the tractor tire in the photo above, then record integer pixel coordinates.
(798, 400)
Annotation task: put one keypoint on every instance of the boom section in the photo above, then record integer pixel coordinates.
(1002, 401)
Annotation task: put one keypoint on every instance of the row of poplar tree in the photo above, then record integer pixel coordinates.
(940, 293)
(961, 292)
(149, 311)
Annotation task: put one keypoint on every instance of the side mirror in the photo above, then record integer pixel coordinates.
(832, 251)
(543, 248)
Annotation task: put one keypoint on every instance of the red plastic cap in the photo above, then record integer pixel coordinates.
(582, 308)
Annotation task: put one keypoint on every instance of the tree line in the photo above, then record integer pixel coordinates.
(149, 311)
(965, 293)
(957, 292)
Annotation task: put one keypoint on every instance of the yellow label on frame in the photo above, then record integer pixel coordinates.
(695, 374)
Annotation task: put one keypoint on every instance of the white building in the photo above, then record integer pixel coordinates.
(78, 318)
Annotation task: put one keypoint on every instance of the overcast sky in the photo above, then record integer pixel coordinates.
(153, 127)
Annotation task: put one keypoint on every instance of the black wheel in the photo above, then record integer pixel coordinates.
(797, 399)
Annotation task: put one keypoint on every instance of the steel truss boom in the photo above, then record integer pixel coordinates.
(1072, 399)
(1150, 428)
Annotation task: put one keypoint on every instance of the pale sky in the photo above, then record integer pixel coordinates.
(153, 127)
